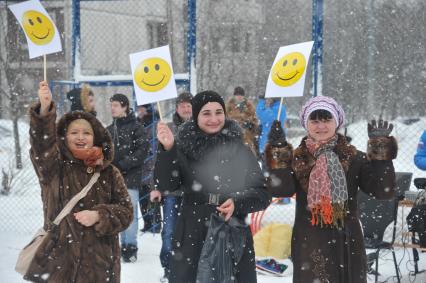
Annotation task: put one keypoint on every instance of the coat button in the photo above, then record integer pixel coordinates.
(90, 170)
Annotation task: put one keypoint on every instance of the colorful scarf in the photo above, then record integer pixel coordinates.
(90, 156)
(327, 191)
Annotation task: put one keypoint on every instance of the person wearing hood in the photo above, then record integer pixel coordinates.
(82, 99)
(65, 157)
(130, 151)
(217, 174)
(326, 172)
(243, 111)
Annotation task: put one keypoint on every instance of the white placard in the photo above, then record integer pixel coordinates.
(288, 72)
(153, 77)
(39, 28)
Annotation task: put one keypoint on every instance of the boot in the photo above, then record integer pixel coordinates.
(132, 253)
(125, 253)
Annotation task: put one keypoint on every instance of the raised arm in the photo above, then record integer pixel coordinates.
(278, 158)
(377, 171)
(166, 172)
(43, 152)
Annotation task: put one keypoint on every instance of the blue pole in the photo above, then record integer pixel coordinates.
(191, 48)
(75, 32)
(317, 37)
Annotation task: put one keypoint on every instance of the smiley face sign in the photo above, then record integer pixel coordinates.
(153, 77)
(40, 31)
(38, 27)
(152, 74)
(289, 69)
(288, 72)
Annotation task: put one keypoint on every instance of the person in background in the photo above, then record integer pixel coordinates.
(267, 112)
(326, 173)
(172, 200)
(420, 156)
(150, 212)
(242, 110)
(218, 175)
(82, 99)
(65, 156)
(130, 151)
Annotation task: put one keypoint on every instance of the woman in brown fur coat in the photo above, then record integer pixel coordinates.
(326, 173)
(85, 245)
(243, 112)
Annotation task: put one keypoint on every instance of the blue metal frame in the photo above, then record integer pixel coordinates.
(192, 29)
(317, 37)
(75, 32)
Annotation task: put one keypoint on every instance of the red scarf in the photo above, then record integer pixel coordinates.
(90, 156)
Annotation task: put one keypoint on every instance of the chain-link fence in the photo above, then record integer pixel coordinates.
(373, 64)
(106, 33)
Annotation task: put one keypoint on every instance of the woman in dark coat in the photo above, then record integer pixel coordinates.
(65, 157)
(326, 173)
(218, 174)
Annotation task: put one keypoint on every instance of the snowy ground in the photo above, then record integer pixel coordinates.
(148, 270)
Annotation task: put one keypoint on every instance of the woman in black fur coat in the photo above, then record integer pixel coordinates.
(218, 174)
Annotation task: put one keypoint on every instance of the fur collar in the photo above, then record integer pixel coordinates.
(194, 143)
(303, 160)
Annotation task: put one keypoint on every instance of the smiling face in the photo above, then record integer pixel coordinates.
(79, 135)
(321, 130)
(152, 74)
(211, 118)
(38, 27)
(289, 69)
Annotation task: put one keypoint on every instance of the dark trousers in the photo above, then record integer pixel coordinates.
(151, 213)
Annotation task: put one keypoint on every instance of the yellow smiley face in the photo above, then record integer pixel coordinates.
(153, 74)
(38, 27)
(288, 70)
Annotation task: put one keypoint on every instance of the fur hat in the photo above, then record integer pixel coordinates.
(322, 103)
(79, 98)
(202, 99)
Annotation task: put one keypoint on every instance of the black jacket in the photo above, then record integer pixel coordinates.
(130, 148)
(200, 164)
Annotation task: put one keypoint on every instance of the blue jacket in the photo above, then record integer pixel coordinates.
(266, 116)
(420, 156)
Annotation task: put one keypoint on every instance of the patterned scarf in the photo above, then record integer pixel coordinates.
(327, 192)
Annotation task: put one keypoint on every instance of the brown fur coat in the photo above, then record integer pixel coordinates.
(76, 253)
(244, 113)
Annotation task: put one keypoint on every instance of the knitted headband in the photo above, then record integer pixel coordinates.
(322, 103)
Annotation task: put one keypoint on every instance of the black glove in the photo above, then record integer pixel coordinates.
(382, 129)
(276, 136)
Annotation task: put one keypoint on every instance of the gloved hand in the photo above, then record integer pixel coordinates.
(381, 129)
(276, 136)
